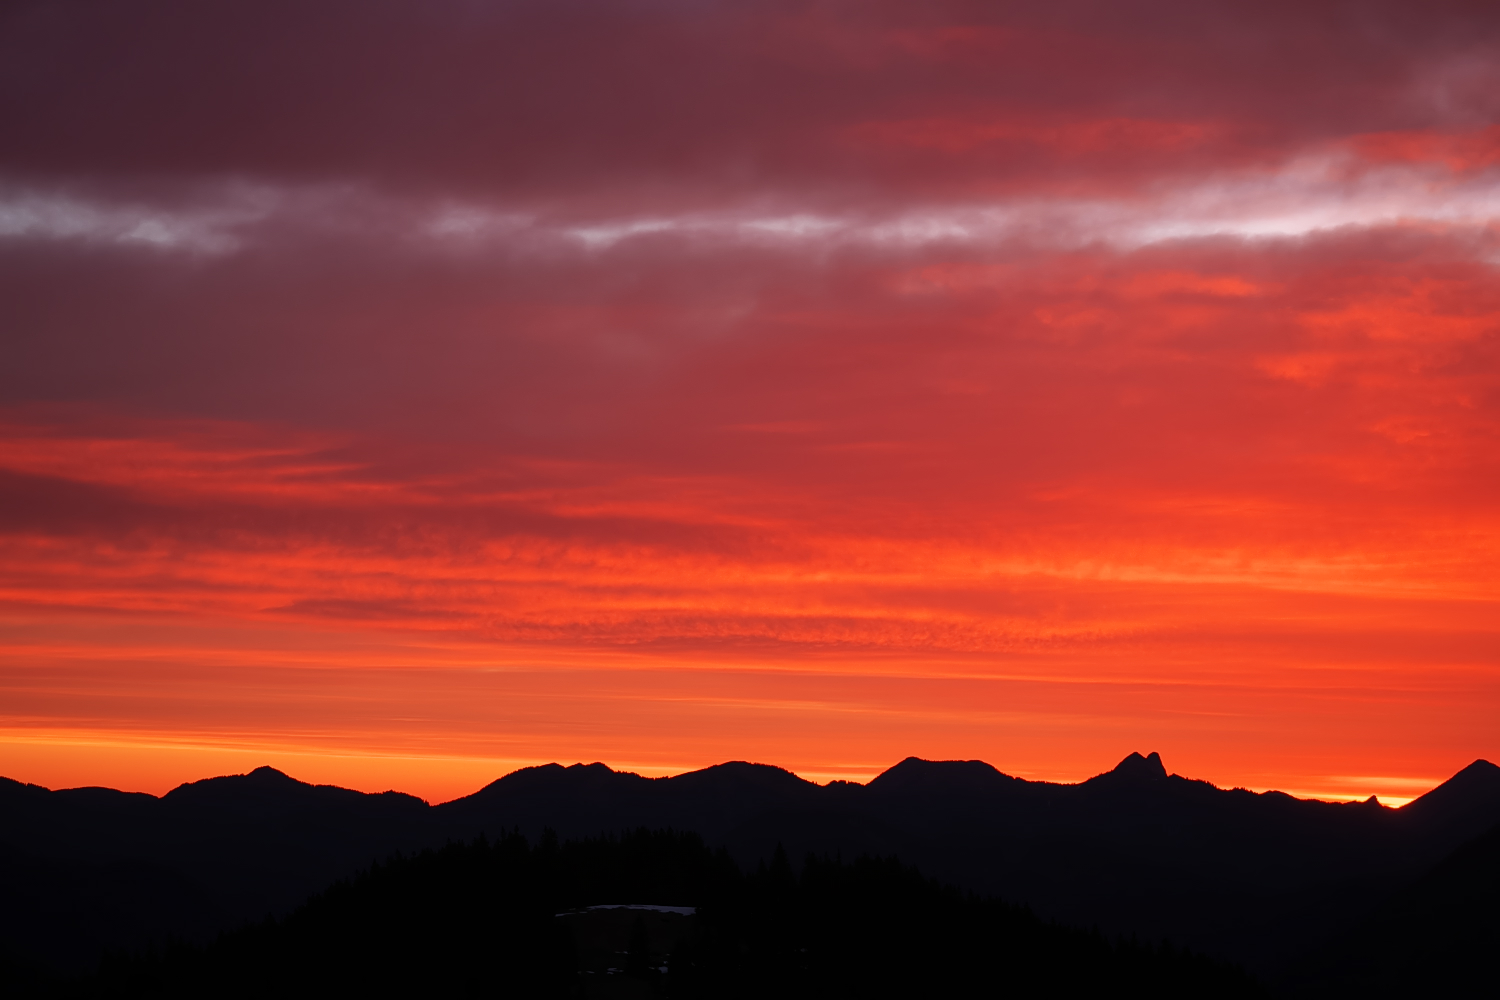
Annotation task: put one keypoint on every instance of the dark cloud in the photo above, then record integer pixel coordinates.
(660, 102)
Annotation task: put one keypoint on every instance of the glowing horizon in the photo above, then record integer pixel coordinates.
(367, 771)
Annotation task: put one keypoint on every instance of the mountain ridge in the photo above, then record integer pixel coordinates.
(1252, 876)
(1480, 774)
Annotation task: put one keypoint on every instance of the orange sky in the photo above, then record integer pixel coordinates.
(984, 397)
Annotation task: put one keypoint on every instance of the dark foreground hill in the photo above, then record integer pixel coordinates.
(1254, 878)
(495, 919)
(1439, 936)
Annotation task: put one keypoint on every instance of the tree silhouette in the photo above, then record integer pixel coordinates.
(482, 919)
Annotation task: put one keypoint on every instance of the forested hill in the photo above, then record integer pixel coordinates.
(1439, 937)
(506, 919)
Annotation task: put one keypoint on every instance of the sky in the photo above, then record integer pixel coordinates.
(403, 393)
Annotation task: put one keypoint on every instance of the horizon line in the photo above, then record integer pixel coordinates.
(1387, 801)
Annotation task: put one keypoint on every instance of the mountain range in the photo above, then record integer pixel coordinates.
(1262, 879)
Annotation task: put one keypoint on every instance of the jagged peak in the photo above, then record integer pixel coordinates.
(1149, 766)
(1133, 770)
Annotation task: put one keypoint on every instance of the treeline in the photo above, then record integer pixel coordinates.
(481, 920)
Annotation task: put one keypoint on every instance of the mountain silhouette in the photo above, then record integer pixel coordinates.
(1134, 772)
(1464, 806)
(119, 869)
(915, 776)
(1257, 878)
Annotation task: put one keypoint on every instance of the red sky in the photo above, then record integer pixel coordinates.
(404, 393)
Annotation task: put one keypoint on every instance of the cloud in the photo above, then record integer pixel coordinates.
(692, 104)
(206, 230)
